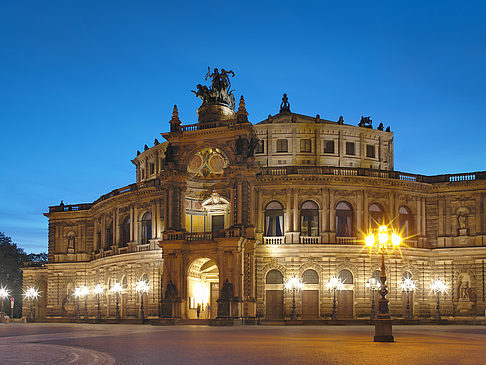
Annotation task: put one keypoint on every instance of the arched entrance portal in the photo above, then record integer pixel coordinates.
(202, 289)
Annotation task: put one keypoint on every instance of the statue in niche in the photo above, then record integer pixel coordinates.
(171, 291)
(462, 222)
(227, 290)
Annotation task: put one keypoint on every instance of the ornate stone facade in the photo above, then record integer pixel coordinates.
(224, 211)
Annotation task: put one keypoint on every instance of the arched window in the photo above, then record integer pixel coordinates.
(376, 216)
(146, 227)
(344, 220)
(310, 277)
(125, 231)
(109, 235)
(145, 278)
(346, 276)
(274, 277)
(124, 283)
(309, 219)
(405, 221)
(274, 219)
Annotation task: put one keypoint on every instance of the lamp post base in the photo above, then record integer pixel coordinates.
(383, 330)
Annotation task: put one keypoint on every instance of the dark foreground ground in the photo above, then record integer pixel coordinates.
(36, 343)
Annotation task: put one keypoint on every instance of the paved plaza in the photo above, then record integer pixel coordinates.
(36, 343)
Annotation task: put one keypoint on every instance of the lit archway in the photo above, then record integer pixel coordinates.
(202, 289)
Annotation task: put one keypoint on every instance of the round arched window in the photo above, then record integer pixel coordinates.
(309, 219)
(274, 226)
(344, 219)
(274, 277)
(310, 277)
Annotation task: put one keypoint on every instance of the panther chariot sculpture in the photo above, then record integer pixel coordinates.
(218, 101)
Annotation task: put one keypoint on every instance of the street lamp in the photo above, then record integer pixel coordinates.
(334, 284)
(381, 242)
(439, 287)
(117, 289)
(78, 292)
(293, 284)
(31, 295)
(142, 287)
(4, 293)
(373, 285)
(98, 290)
(408, 286)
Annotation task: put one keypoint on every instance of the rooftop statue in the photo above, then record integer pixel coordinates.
(220, 91)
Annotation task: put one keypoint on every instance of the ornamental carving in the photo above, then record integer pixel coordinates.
(207, 163)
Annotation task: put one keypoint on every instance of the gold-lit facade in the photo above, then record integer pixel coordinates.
(225, 211)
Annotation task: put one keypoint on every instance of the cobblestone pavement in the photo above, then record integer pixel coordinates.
(36, 343)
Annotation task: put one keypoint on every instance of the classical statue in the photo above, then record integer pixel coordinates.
(462, 220)
(365, 122)
(171, 291)
(220, 91)
(285, 105)
(227, 290)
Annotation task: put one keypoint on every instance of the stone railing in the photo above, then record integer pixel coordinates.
(202, 236)
(310, 240)
(274, 240)
(347, 241)
(206, 125)
(358, 171)
(111, 194)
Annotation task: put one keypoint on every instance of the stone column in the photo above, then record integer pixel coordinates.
(324, 211)
(132, 224)
(296, 210)
(233, 206)
(240, 202)
(114, 226)
(169, 207)
(418, 217)
(117, 226)
(182, 204)
(252, 205)
(154, 219)
(332, 212)
(359, 211)
(260, 210)
(288, 212)
(365, 211)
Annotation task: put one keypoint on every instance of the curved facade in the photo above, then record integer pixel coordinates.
(224, 212)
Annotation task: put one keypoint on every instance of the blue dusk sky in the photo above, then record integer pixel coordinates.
(85, 84)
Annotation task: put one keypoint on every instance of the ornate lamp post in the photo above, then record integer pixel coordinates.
(334, 284)
(117, 289)
(373, 285)
(98, 290)
(4, 293)
(293, 284)
(31, 294)
(408, 286)
(439, 287)
(381, 242)
(142, 288)
(77, 295)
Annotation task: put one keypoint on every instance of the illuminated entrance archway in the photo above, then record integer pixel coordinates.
(202, 289)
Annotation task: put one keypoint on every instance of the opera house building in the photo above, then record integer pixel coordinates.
(224, 212)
